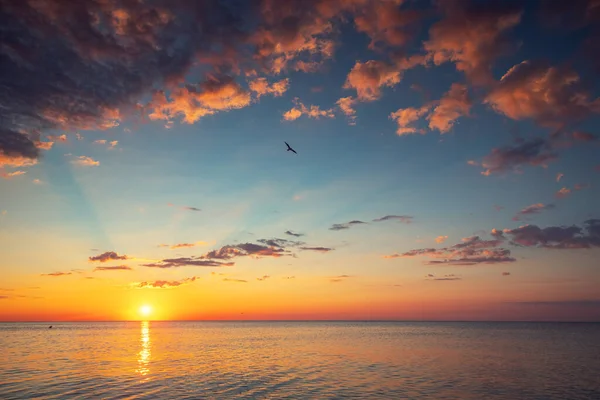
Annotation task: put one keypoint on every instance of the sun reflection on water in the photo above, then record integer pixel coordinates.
(144, 354)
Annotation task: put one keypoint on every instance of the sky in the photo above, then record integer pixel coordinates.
(447, 166)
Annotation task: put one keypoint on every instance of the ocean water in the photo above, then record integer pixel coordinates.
(299, 360)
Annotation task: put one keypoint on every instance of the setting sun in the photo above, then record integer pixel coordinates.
(145, 310)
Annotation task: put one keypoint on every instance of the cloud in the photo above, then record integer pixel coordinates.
(235, 280)
(346, 105)
(183, 245)
(57, 274)
(290, 233)
(471, 251)
(581, 186)
(300, 109)
(108, 256)
(37, 182)
(557, 237)
(191, 208)
(263, 278)
(85, 161)
(370, 77)
(347, 225)
(533, 209)
(386, 23)
(58, 138)
(472, 35)
(114, 268)
(318, 248)
(400, 218)
(162, 284)
(584, 136)
(551, 96)
(506, 274)
(339, 278)
(261, 87)
(193, 101)
(441, 239)
(559, 176)
(187, 262)
(498, 208)
(535, 152)
(406, 117)
(9, 175)
(448, 277)
(562, 193)
(453, 105)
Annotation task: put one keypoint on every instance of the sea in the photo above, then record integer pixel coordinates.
(299, 360)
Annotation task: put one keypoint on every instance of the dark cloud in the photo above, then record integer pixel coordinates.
(318, 248)
(263, 278)
(557, 237)
(533, 209)
(191, 208)
(448, 277)
(339, 278)
(401, 218)
(104, 54)
(511, 158)
(235, 280)
(57, 274)
(114, 268)
(505, 273)
(290, 233)
(347, 225)
(108, 256)
(471, 251)
(188, 262)
(281, 243)
(162, 284)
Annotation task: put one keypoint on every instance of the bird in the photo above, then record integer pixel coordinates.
(289, 148)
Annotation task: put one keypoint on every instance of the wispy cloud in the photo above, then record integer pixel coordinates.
(311, 111)
(441, 239)
(85, 161)
(235, 280)
(562, 193)
(114, 268)
(339, 278)
(290, 233)
(471, 251)
(57, 274)
(346, 225)
(535, 152)
(9, 175)
(164, 284)
(263, 278)
(533, 209)
(184, 245)
(400, 218)
(447, 277)
(187, 262)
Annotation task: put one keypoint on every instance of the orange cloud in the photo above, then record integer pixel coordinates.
(472, 36)
(7, 160)
(60, 138)
(406, 117)
(368, 78)
(346, 104)
(563, 192)
(559, 176)
(261, 87)
(533, 209)
(441, 239)
(192, 102)
(454, 104)
(548, 95)
(85, 161)
(43, 145)
(8, 175)
(311, 112)
(57, 274)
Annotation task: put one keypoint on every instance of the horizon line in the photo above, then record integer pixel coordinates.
(305, 320)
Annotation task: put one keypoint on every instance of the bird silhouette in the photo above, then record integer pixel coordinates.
(289, 148)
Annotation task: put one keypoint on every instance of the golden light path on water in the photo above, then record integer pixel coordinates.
(145, 353)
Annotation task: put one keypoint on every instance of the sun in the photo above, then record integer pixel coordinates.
(145, 310)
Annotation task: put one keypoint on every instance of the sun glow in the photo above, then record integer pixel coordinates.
(145, 310)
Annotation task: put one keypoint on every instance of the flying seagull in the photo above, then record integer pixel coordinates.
(289, 148)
